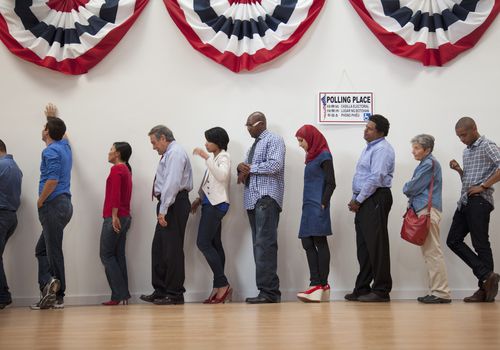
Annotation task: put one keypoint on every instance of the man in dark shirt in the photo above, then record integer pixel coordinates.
(10, 193)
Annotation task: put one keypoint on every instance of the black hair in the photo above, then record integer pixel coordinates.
(125, 151)
(3, 148)
(381, 123)
(218, 136)
(56, 128)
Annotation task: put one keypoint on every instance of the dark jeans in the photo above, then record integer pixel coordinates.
(112, 253)
(264, 224)
(210, 243)
(474, 217)
(167, 252)
(318, 259)
(54, 216)
(8, 224)
(372, 240)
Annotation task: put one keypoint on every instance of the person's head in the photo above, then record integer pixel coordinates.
(54, 129)
(256, 124)
(160, 137)
(3, 148)
(217, 139)
(422, 145)
(120, 152)
(377, 127)
(466, 130)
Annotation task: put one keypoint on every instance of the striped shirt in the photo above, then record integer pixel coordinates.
(481, 160)
(267, 171)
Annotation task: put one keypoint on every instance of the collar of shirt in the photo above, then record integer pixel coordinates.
(263, 134)
(7, 156)
(476, 143)
(374, 142)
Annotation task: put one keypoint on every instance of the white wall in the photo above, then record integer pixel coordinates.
(154, 76)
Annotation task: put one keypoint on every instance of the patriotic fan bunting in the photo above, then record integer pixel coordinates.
(243, 34)
(432, 31)
(70, 36)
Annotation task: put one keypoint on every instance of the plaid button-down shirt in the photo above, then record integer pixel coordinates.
(267, 171)
(481, 160)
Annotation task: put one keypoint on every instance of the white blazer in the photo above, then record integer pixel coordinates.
(215, 183)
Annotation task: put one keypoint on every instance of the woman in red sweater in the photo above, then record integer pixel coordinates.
(116, 214)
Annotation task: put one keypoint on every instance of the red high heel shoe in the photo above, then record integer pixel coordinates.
(115, 302)
(228, 295)
(210, 297)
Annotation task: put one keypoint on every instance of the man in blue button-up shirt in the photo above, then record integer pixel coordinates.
(371, 202)
(10, 193)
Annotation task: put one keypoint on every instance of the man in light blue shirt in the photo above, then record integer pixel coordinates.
(173, 181)
(10, 193)
(371, 202)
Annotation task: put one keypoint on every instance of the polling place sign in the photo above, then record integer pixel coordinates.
(345, 107)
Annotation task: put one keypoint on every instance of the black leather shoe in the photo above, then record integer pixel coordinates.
(3, 304)
(151, 297)
(373, 298)
(351, 296)
(259, 299)
(169, 301)
(432, 299)
(420, 299)
(490, 286)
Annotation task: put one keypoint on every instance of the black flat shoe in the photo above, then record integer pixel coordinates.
(169, 301)
(432, 299)
(259, 299)
(373, 298)
(151, 297)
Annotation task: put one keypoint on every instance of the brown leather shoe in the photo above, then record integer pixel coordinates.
(491, 286)
(479, 296)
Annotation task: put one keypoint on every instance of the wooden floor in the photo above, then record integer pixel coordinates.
(290, 325)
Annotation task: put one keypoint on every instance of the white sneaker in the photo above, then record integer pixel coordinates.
(312, 295)
(45, 302)
(326, 293)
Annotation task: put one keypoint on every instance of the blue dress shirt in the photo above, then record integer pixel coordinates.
(56, 165)
(375, 169)
(10, 183)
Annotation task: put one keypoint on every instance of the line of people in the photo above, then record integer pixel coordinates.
(262, 176)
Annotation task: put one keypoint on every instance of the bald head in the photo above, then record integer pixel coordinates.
(257, 117)
(466, 123)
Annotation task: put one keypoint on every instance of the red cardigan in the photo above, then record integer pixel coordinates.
(118, 191)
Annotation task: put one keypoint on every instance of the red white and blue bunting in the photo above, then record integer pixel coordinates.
(432, 31)
(69, 36)
(243, 34)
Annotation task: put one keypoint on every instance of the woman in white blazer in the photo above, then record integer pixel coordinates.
(214, 199)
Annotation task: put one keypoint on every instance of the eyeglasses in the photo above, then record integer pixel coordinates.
(253, 125)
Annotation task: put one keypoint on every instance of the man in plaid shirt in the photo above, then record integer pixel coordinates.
(263, 175)
(481, 171)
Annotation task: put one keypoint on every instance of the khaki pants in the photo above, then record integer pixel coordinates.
(434, 259)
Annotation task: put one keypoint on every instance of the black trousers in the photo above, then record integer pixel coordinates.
(474, 217)
(372, 240)
(318, 259)
(167, 252)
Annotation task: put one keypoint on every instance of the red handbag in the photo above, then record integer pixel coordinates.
(415, 229)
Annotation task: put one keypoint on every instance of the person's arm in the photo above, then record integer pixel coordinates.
(221, 169)
(494, 154)
(49, 187)
(115, 196)
(275, 159)
(51, 112)
(175, 163)
(420, 181)
(53, 162)
(455, 166)
(380, 166)
(330, 185)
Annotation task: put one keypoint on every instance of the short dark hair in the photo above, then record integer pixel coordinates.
(56, 128)
(125, 151)
(466, 123)
(3, 148)
(381, 123)
(218, 136)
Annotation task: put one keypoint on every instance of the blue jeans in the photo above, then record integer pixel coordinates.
(54, 216)
(8, 223)
(264, 224)
(112, 253)
(210, 243)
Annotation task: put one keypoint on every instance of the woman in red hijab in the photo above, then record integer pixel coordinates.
(315, 224)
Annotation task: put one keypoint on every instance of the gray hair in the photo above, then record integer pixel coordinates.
(424, 140)
(160, 130)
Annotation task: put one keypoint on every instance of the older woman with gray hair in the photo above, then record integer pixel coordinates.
(417, 191)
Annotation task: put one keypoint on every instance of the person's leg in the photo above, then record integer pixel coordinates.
(8, 224)
(312, 260)
(266, 248)
(208, 234)
(323, 250)
(158, 262)
(120, 255)
(434, 259)
(365, 275)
